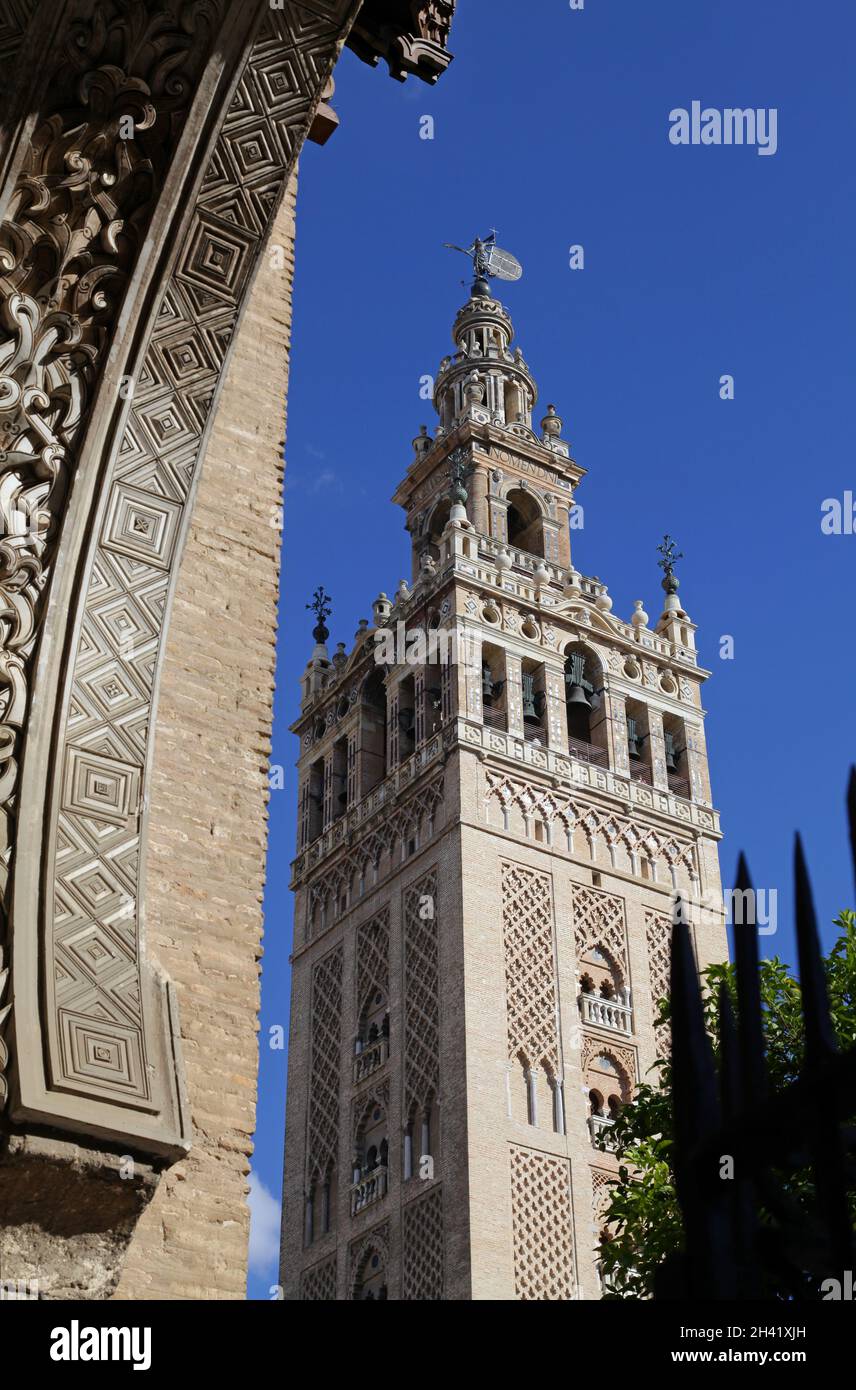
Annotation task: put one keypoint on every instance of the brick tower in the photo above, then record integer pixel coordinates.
(502, 785)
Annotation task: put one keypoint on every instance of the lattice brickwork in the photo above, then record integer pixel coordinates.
(421, 993)
(318, 1285)
(599, 922)
(373, 959)
(542, 1223)
(658, 932)
(326, 1063)
(601, 1182)
(423, 1254)
(530, 972)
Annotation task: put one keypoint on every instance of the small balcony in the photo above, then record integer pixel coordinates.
(606, 1013)
(600, 1127)
(369, 1188)
(371, 1058)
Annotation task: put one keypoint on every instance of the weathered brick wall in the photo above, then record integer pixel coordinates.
(208, 826)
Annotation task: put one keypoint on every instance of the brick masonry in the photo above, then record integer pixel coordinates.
(208, 827)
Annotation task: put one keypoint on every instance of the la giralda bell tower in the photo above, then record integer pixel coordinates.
(502, 787)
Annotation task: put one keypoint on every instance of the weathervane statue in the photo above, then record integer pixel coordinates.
(489, 260)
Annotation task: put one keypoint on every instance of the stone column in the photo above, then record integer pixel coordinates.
(557, 723)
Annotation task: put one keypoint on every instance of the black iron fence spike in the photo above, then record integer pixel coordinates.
(819, 1037)
(729, 1063)
(749, 1016)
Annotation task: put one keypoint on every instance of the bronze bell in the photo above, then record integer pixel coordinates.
(577, 696)
(487, 683)
(671, 757)
(528, 683)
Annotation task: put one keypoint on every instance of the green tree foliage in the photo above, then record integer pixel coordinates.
(643, 1216)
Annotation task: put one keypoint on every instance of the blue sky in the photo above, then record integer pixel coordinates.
(552, 126)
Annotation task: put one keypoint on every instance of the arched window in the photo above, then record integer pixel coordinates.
(370, 1278)
(373, 731)
(525, 528)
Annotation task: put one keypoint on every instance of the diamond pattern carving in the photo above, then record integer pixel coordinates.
(318, 1284)
(658, 935)
(421, 994)
(323, 1150)
(542, 1225)
(530, 972)
(423, 1258)
(372, 959)
(95, 819)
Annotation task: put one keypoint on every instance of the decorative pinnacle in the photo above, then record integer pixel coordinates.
(459, 467)
(667, 564)
(322, 607)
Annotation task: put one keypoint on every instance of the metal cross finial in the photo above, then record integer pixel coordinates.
(666, 548)
(322, 607)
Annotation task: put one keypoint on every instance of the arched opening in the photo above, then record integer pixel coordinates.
(406, 718)
(371, 1044)
(436, 526)
(373, 731)
(525, 528)
(370, 1281)
(609, 1089)
(584, 706)
(494, 686)
(534, 701)
(677, 764)
(371, 1156)
(639, 741)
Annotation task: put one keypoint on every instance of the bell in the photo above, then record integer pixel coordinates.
(487, 683)
(671, 759)
(528, 683)
(577, 696)
(634, 739)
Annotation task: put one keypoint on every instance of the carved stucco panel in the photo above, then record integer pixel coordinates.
(107, 1018)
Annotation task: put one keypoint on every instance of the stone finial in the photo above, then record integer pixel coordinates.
(551, 423)
(423, 442)
(639, 618)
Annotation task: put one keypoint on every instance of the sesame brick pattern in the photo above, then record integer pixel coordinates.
(530, 973)
(542, 1223)
(421, 993)
(318, 1284)
(658, 931)
(423, 1253)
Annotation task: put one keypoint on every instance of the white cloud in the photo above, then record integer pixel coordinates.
(264, 1228)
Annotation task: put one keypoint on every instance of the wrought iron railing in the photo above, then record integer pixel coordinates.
(743, 1236)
